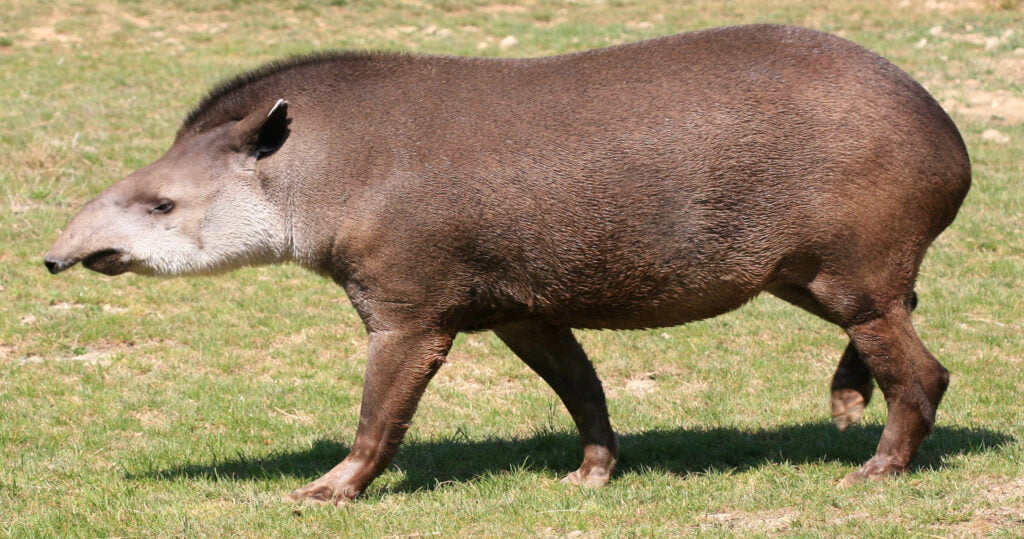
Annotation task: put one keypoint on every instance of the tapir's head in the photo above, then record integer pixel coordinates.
(198, 209)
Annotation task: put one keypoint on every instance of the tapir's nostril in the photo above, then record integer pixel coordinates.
(55, 266)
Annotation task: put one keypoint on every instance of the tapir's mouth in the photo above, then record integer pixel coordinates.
(107, 262)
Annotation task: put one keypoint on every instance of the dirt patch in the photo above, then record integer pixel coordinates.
(201, 27)
(475, 386)
(47, 34)
(1006, 492)
(96, 353)
(993, 135)
(295, 417)
(468, 373)
(105, 20)
(1011, 69)
(994, 106)
(561, 533)
(501, 8)
(1004, 511)
(66, 306)
(988, 100)
(86, 358)
(645, 383)
(151, 418)
(773, 522)
(843, 519)
(289, 339)
(945, 6)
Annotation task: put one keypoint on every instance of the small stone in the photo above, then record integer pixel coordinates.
(993, 135)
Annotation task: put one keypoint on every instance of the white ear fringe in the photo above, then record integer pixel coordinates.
(278, 104)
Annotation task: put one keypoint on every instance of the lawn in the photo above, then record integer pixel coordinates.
(132, 406)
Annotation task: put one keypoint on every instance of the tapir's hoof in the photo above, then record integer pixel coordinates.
(592, 479)
(319, 493)
(851, 479)
(876, 469)
(847, 408)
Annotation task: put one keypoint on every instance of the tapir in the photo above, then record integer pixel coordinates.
(637, 186)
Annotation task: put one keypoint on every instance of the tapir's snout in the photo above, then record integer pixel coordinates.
(56, 265)
(105, 261)
(64, 253)
(97, 236)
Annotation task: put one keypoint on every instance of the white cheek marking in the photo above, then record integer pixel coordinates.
(231, 235)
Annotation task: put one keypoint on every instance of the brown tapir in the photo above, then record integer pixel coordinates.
(636, 186)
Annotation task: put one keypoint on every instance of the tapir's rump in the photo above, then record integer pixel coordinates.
(643, 185)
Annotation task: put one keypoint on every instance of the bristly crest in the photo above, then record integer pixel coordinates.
(233, 98)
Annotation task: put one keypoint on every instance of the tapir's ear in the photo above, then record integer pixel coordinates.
(262, 132)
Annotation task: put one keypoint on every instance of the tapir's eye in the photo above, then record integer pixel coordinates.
(163, 206)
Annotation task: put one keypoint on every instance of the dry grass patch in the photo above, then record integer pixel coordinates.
(772, 522)
(1003, 510)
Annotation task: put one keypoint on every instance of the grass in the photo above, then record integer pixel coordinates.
(131, 406)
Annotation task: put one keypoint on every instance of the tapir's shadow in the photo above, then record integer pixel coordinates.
(678, 451)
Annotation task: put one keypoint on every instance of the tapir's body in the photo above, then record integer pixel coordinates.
(644, 185)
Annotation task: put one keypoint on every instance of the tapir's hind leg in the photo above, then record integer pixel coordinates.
(852, 384)
(912, 381)
(556, 356)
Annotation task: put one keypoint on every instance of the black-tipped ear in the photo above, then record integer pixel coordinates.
(262, 132)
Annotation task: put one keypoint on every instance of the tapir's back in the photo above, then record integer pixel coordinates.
(658, 182)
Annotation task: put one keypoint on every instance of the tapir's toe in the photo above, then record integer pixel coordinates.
(851, 479)
(847, 408)
(318, 493)
(877, 468)
(592, 479)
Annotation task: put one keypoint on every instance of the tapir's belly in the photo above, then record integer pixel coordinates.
(671, 300)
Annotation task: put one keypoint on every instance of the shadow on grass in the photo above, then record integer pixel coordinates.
(677, 451)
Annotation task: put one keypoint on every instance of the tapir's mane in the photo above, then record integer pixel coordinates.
(233, 98)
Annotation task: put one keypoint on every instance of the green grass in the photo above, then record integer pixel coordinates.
(131, 406)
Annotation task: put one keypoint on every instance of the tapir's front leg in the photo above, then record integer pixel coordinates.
(401, 363)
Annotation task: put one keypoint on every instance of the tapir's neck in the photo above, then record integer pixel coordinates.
(310, 214)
